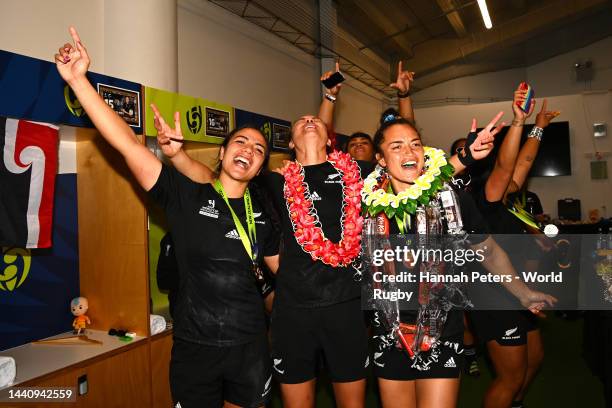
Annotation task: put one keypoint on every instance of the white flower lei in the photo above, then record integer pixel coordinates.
(372, 196)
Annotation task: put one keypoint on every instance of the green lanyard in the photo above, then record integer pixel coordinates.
(401, 223)
(249, 244)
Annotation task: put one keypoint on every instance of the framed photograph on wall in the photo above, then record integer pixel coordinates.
(217, 122)
(281, 135)
(125, 102)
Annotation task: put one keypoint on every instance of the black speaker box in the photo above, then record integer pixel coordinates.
(569, 209)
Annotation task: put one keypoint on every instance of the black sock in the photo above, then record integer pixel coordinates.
(517, 404)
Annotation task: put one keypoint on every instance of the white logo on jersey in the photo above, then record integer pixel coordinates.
(333, 178)
(256, 215)
(376, 357)
(376, 319)
(277, 362)
(209, 211)
(511, 331)
(450, 363)
(315, 196)
(367, 363)
(267, 386)
(233, 234)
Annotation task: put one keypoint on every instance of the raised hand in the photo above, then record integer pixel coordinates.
(519, 97)
(334, 90)
(72, 61)
(169, 140)
(483, 144)
(544, 117)
(404, 79)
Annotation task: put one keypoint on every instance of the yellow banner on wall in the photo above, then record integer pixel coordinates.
(201, 120)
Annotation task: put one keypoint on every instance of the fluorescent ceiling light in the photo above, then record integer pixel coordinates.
(485, 14)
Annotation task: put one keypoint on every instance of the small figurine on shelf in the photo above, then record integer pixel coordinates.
(79, 307)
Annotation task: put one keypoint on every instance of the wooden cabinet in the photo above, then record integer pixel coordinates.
(161, 347)
(119, 379)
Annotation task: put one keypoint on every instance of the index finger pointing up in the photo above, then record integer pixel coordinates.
(74, 35)
(337, 66)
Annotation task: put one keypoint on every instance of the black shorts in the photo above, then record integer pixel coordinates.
(446, 361)
(205, 376)
(301, 337)
(507, 327)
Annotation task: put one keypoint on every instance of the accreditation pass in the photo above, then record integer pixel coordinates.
(38, 394)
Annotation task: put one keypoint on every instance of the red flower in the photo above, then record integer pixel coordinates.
(303, 215)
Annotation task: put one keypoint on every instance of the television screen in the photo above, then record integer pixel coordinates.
(553, 157)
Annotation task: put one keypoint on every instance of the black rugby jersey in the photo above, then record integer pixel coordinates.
(300, 281)
(218, 302)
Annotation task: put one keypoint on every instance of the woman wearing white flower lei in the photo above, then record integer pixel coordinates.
(416, 175)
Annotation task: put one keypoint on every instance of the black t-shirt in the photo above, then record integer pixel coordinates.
(167, 270)
(300, 281)
(502, 223)
(218, 302)
(478, 230)
(497, 215)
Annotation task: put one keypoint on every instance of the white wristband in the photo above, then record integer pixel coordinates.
(330, 98)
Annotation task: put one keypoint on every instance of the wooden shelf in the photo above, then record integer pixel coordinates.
(38, 360)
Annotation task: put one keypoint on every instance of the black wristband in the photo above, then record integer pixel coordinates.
(467, 159)
(403, 95)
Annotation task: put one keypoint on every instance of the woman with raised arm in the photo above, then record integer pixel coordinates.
(409, 194)
(516, 356)
(220, 355)
(317, 312)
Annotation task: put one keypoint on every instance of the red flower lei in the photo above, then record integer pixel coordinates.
(306, 224)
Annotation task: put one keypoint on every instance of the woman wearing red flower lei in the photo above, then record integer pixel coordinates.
(317, 310)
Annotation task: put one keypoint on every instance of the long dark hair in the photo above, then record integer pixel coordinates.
(264, 166)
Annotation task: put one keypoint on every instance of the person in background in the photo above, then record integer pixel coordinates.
(516, 356)
(360, 146)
